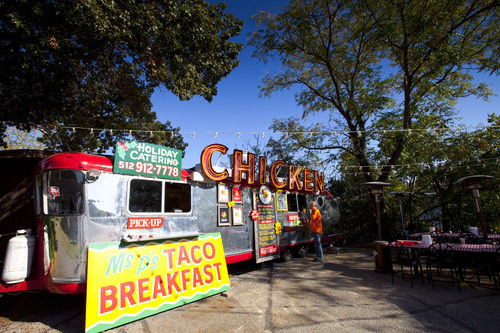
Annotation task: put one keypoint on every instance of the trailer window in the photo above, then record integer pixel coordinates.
(145, 196)
(302, 202)
(64, 192)
(177, 198)
(291, 199)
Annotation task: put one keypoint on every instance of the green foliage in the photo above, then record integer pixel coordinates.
(17, 139)
(431, 186)
(296, 144)
(95, 63)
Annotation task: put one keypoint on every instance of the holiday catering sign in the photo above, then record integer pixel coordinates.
(145, 159)
(125, 284)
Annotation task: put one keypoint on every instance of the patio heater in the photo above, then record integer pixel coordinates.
(383, 258)
(473, 183)
(399, 196)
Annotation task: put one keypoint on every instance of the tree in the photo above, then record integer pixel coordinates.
(95, 64)
(330, 52)
(333, 50)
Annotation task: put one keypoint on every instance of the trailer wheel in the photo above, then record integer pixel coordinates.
(287, 255)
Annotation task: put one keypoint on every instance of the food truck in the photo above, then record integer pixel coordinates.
(143, 194)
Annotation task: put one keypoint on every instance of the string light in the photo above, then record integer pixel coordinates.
(426, 166)
(359, 133)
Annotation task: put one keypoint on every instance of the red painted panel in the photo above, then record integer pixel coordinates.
(76, 161)
(239, 257)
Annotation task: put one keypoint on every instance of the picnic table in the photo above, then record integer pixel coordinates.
(491, 248)
(418, 235)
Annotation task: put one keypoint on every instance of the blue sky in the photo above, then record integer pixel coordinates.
(237, 108)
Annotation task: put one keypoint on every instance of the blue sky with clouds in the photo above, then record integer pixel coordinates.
(237, 108)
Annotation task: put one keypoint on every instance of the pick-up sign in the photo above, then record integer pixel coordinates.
(144, 222)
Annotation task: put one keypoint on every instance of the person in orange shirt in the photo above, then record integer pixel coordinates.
(316, 227)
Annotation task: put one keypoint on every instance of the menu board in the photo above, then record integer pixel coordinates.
(266, 240)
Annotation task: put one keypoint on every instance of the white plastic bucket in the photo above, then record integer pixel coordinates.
(426, 240)
(474, 230)
(18, 257)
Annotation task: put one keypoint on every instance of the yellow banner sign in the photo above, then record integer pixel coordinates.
(125, 284)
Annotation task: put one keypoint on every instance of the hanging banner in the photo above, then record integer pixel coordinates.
(125, 284)
(146, 159)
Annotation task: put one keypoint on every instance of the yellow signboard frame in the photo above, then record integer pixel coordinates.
(131, 282)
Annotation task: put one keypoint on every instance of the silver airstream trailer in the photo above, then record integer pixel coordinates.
(81, 199)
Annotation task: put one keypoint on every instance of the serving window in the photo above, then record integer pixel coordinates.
(291, 199)
(151, 196)
(177, 198)
(296, 202)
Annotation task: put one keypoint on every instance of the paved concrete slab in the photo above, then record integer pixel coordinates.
(342, 294)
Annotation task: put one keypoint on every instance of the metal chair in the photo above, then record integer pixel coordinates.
(440, 237)
(441, 258)
(407, 261)
(470, 238)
